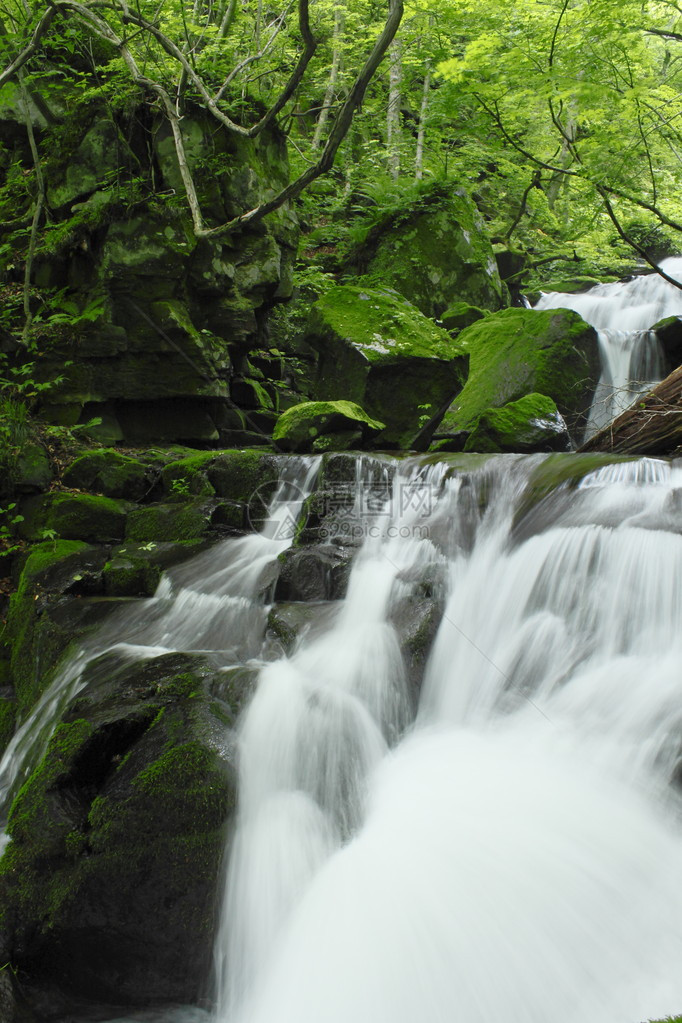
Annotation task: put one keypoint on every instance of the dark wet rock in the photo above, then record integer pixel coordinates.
(313, 574)
(109, 883)
(289, 623)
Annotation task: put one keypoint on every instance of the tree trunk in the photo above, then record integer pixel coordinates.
(652, 426)
(421, 132)
(330, 92)
(395, 78)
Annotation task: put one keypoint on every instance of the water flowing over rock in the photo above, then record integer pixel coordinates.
(635, 354)
(465, 766)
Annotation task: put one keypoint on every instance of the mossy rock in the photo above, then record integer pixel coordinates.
(110, 473)
(52, 571)
(518, 352)
(32, 470)
(8, 713)
(301, 427)
(567, 470)
(669, 334)
(73, 517)
(434, 253)
(135, 569)
(236, 475)
(109, 883)
(533, 423)
(460, 315)
(288, 622)
(380, 352)
(187, 520)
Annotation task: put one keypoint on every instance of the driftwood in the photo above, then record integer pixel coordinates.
(652, 426)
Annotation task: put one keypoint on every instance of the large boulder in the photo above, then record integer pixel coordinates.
(376, 349)
(533, 423)
(141, 324)
(320, 425)
(519, 352)
(435, 252)
(108, 885)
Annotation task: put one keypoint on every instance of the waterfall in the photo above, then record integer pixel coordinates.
(214, 603)
(511, 848)
(622, 314)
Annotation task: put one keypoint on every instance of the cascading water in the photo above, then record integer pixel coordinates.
(214, 603)
(515, 852)
(505, 842)
(623, 313)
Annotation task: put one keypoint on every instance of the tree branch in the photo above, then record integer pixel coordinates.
(630, 241)
(338, 133)
(30, 48)
(296, 75)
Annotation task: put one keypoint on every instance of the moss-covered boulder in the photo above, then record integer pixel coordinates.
(135, 569)
(306, 426)
(109, 883)
(52, 572)
(518, 352)
(73, 517)
(378, 350)
(533, 423)
(434, 252)
(111, 473)
(143, 323)
(669, 334)
(182, 520)
(460, 315)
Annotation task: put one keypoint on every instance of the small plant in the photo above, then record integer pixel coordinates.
(180, 486)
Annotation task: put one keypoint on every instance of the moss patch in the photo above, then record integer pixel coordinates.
(380, 352)
(188, 520)
(300, 427)
(110, 473)
(73, 517)
(532, 423)
(517, 352)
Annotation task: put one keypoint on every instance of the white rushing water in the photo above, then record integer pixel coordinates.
(623, 313)
(513, 851)
(213, 603)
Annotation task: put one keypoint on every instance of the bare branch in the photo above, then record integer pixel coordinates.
(630, 241)
(338, 133)
(277, 24)
(30, 48)
(296, 75)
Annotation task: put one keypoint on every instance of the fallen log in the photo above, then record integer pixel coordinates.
(651, 426)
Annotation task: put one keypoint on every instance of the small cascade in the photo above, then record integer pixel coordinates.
(512, 850)
(623, 313)
(213, 603)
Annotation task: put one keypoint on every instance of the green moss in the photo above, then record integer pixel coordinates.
(7, 722)
(520, 351)
(109, 472)
(299, 427)
(36, 645)
(459, 315)
(435, 251)
(159, 522)
(532, 423)
(73, 517)
(565, 469)
(381, 324)
(237, 474)
(30, 819)
(188, 476)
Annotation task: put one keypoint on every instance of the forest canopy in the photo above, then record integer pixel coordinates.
(561, 117)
